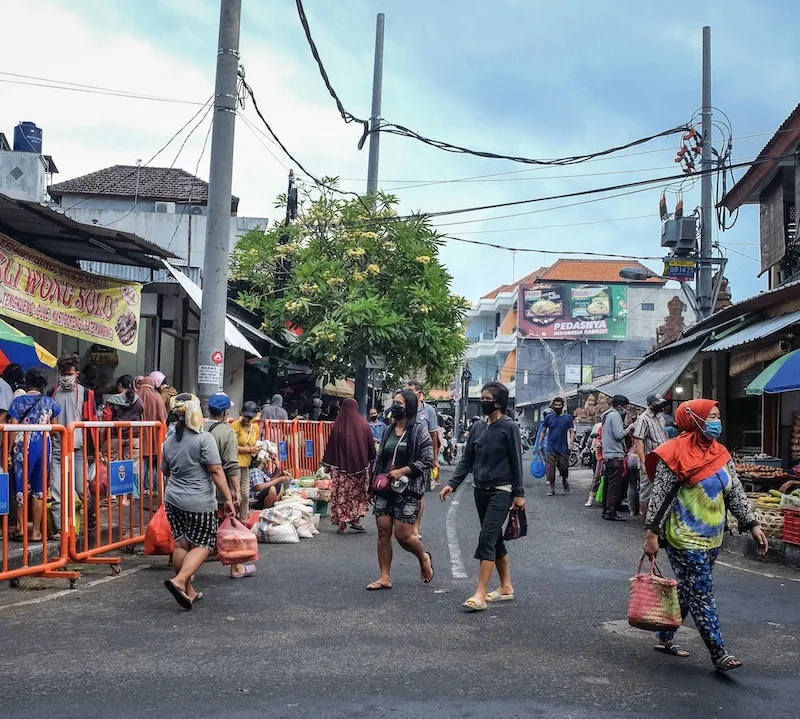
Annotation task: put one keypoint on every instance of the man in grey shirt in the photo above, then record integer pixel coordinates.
(614, 451)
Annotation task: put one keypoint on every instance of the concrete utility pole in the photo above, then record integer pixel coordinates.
(704, 276)
(211, 346)
(372, 171)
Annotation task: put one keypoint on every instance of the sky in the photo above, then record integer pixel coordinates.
(535, 78)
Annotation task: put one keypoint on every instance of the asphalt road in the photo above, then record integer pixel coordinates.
(304, 639)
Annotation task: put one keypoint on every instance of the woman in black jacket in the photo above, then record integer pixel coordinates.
(406, 456)
(494, 456)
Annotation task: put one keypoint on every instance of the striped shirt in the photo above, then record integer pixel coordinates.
(650, 429)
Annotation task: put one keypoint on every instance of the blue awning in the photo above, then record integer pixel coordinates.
(754, 332)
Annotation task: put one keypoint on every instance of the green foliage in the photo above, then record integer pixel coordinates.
(363, 284)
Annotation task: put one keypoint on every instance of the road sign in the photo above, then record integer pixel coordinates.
(309, 448)
(217, 356)
(680, 270)
(120, 477)
(283, 451)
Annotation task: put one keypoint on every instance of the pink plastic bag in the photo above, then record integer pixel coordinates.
(236, 544)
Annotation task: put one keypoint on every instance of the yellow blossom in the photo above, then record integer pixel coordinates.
(331, 281)
(373, 269)
(359, 276)
(356, 252)
(369, 235)
(331, 336)
(425, 309)
(423, 259)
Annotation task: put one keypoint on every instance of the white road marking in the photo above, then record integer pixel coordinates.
(760, 574)
(67, 592)
(456, 564)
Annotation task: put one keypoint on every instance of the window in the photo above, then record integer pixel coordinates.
(639, 353)
(604, 352)
(648, 306)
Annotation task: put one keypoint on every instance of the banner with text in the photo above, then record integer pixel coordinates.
(41, 291)
(566, 310)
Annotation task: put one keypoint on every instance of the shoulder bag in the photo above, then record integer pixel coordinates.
(381, 482)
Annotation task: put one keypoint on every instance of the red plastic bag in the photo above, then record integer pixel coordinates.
(236, 544)
(98, 472)
(158, 538)
(252, 519)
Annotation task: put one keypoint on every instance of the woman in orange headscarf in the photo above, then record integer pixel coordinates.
(694, 484)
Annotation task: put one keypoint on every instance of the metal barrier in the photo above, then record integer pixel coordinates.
(301, 443)
(128, 454)
(26, 454)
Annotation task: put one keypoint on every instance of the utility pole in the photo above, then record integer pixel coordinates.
(704, 277)
(372, 171)
(211, 346)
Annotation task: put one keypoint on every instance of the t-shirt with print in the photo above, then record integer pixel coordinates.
(557, 427)
(190, 486)
(35, 409)
(427, 415)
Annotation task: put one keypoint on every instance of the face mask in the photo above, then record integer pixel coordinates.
(487, 406)
(373, 417)
(622, 412)
(713, 428)
(558, 410)
(398, 411)
(67, 382)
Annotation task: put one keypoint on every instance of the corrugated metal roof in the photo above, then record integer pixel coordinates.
(139, 274)
(233, 337)
(755, 332)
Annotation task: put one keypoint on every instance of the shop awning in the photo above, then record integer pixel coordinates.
(654, 377)
(756, 331)
(783, 375)
(233, 337)
(257, 333)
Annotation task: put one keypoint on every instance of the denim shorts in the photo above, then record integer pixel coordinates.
(400, 507)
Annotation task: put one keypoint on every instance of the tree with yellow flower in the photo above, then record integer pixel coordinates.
(363, 284)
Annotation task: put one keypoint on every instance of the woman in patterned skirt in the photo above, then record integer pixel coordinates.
(348, 455)
(694, 482)
(192, 467)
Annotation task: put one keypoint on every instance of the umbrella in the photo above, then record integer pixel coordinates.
(17, 347)
(783, 375)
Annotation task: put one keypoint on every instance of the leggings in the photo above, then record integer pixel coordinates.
(692, 568)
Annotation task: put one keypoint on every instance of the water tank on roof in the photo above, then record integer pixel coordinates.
(28, 138)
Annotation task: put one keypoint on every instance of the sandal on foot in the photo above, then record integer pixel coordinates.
(496, 596)
(196, 598)
(249, 571)
(180, 596)
(358, 528)
(433, 573)
(671, 649)
(473, 605)
(725, 663)
(378, 586)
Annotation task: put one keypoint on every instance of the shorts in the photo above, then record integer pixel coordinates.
(400, 507)
(197, 528)
(645, 487)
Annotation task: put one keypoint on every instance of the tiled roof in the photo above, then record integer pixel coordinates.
(532, 277)
(169, 184)
(591, 271)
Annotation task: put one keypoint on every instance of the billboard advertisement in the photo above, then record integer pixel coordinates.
(566, 310)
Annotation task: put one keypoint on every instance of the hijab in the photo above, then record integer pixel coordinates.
(158, 378)
(350, 447)
(274, 410)
(154, 409)
(691, 455)
(186, 407)
(15, 376)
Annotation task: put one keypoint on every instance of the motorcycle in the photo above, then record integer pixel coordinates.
(450, 450)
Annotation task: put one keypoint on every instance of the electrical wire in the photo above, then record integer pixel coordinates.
(550, 251)
(557, 226)
(254, 130)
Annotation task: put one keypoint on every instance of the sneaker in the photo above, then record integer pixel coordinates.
(566, 485)
(613, 517)
(550, 492)
(589, 503)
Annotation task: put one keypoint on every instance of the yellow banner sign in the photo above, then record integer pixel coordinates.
(41, 291)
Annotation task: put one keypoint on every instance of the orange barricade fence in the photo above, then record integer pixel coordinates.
(301, 443)
(117, 477)
(32, 466)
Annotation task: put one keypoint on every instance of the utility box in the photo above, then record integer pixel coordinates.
(680, 234)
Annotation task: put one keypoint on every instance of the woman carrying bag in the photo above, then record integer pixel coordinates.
(400, 475)
(694, 485)
(494, 456)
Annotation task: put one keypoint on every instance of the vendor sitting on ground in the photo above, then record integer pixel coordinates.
(266, 486)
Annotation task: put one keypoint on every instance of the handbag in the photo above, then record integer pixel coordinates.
(517, 526)
(653, 603)
(381, 482)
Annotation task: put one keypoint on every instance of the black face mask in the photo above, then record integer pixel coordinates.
(487, 406)
(373, 417)
(398, 411)
(558, 410)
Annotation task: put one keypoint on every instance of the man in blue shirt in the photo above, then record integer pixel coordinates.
(375, 424)
(559, 429)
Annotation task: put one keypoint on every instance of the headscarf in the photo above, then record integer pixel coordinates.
(186, 407)
(158, 378)
(692, 455)
(351, 446)
(154, 409)
(274, 410)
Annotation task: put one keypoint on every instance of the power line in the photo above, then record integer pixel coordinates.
(550, 251)
(253, 129)
(557, 226)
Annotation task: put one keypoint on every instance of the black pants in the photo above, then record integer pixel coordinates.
(493, 506)
(612, 497)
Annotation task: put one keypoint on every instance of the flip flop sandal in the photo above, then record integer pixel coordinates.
(358, 528)
(671, 649)
(179, 594)
(377, 587)
(433, 572)
(197, 598)
(497, 597)
(249, 571)
(726, 663)
(471, 605)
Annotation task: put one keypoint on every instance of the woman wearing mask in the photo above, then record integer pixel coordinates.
(153, 410)
(125, 406)
(248, 435)
(695, 481)
(494, 456)
(406, 455)
(192, 469)
(348, 454)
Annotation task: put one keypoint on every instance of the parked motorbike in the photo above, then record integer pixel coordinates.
(450, 450)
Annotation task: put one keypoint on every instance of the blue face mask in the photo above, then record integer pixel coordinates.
(713, 428)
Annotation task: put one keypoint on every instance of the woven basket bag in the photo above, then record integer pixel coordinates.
(653, 600)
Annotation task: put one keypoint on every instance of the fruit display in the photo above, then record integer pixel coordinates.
(759, 471)
(774, 499)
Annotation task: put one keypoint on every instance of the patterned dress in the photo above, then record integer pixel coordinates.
(691, 528)
(349, 496)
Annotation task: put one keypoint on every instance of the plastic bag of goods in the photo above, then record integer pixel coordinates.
(236, 543)
(268, 533)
